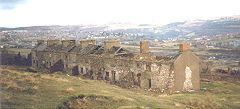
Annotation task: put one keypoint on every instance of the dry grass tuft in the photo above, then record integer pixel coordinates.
(177, 104)
(123, 98)
(208, 103)
(35, 87)
(70, 89)
(54, 78)
(11, 86)
(61, 80)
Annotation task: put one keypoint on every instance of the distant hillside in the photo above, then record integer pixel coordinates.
(57, 28)
(223, 25)
(196, 28)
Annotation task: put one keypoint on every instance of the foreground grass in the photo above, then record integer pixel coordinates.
(21, 89)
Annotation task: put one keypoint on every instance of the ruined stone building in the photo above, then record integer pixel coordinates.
(15, 57)
(114, 64)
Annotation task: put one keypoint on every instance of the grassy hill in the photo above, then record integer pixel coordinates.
(22, 89)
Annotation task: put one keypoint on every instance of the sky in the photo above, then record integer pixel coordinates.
(17, 13)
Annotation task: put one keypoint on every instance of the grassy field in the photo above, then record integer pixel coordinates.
(22, 89)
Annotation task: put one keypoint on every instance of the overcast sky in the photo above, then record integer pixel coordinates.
(14, 13)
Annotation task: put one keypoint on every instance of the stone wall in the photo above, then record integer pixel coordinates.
(83, 65)
(119, 71)
(52, 42)
(84, 43)
(66, 43)
(109, 44)
(187, 72)
(160, 76)
(144, 70)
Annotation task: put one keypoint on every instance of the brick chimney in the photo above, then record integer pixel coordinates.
(39, 42)
(110, 43)
(66, 43)
(144, 47)
(52, 42)
(229, 69)
(84, 43)
(184, 47)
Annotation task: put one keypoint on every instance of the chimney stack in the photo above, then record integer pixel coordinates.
(84, 43)
(110, 43)
(52, 42)
(229, 70)
(144, 47)
(184, 47)
(66, 43)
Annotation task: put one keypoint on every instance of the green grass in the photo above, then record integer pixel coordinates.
(21, 89)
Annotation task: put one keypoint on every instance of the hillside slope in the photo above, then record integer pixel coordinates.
(22, 89)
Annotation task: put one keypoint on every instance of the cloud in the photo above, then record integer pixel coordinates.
(10, 4)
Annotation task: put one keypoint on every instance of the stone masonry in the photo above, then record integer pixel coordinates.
(114, 64)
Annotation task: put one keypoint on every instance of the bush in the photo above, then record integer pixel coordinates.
(29, 91)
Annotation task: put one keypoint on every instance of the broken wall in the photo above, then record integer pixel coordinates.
(66, 43)
(52, 42)
(110, 43)
(83, 64)
(84, 43)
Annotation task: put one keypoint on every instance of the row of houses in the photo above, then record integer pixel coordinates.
(114, 64)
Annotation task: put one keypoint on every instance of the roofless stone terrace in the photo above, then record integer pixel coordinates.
(114, 64)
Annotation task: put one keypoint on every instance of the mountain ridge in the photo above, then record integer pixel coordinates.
(209, 27)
